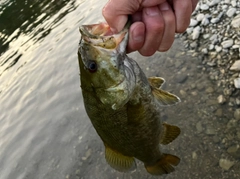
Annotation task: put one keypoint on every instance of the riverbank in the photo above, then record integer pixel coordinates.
(214, 33)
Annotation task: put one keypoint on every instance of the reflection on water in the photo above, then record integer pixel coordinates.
(26, 17)
(44, 130)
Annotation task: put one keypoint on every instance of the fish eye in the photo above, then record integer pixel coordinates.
(92, 66)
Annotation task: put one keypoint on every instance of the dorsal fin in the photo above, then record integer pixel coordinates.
(164, 97)
(156, 82)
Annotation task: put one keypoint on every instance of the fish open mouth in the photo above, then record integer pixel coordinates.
(101, 35)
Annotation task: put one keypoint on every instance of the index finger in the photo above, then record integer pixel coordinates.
(116, 13)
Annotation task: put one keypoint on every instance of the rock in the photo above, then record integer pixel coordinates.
(216, 139)
(87, 154)
(221, 99)
(199, 127)
(237, 114)
(234, 151)
(234, 3)
(211, 47)
(214, 2)
(193, 23)
(200, 17)
(226, 164)
(227, 43)
(215, 20)
(235, 46)
(204, 7)
(205, 51)
(219, 112)
(237, 83)
(210, 130)
(205, 21)
(196, 33)
(231, 12)
(189, 30)
(180, 78)
(218, 48)
(209, 90)
(231, 124)
(194, 155)
(236, 66)
(237, 101)
(236, 21)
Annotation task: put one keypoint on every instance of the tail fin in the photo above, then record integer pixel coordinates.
(164, 165)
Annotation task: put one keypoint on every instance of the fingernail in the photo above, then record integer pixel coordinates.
(152, 11)
(164, 6)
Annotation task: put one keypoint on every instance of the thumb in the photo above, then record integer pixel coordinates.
(116, 12)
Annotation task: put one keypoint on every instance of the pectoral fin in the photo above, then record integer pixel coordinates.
(170, 133)
(119, 161)
(156, 82)
(164, 97)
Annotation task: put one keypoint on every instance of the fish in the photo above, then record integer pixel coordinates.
(123, 104)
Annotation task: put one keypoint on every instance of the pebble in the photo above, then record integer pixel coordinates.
(204, 7)
(205, 21)
(226, 164)
(236, 66)
(214, 2)
(237, 83)
(237, 114)
(227, 43)
(193, 23)
(234, 3)
(219, 112)
(234, 151)
(180, 78)
(196, 33)
(231, 12)
(215, 20)
(205, 51)
(209, 90)
(218, 48)
(236, 21)
(231, 124)
(221, 99)
(210, 130)
(200, 17)
(199, 127)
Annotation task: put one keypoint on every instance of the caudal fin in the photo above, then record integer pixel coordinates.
(164, 165)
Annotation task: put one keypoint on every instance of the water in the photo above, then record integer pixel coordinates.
(44, 130)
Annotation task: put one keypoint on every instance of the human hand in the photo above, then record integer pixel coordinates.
(155, 22)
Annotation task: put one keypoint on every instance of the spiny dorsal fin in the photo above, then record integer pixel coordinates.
(156, 82)
(164, 165)
(119, 161)
(170, 133)
(164, 97)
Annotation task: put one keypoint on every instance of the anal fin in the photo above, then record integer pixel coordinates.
(164, 165)
(119, 161)
(170, 133)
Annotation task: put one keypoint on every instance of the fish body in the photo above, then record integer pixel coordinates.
(123, 104)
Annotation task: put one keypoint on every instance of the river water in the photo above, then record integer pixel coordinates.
(44, 130)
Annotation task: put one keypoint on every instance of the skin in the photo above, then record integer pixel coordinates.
(155, 22)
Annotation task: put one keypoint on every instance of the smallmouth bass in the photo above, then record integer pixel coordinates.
(123, 104)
